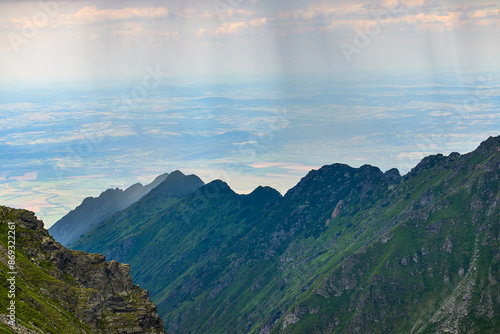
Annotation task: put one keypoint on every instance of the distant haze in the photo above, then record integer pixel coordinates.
(104, 94)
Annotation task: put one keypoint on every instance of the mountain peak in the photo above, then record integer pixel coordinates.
(264, 190)
(262, 195)
(336, 175)
(177, 185)
(218, 187)
(492, 144)
(176, 174)
(393, 175)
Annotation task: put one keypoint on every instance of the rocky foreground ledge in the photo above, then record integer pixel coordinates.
(58, 290)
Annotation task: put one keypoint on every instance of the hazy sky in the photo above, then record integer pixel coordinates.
(89, 40)
(99, 94)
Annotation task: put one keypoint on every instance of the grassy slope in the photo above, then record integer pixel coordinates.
(199, 258)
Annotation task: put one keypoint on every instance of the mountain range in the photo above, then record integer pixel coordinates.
(347, 250)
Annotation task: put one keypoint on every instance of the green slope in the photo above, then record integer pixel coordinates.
(346, 250)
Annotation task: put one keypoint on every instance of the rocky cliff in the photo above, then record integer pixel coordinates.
(64, 291)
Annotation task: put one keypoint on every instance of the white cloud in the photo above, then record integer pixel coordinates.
(26, 177)
(258, 22)
(92, 15)
(161, 132)
(284, 165)
(200, 32)
(231, 28)
(169, 35)
(248, 142)
(228, 28)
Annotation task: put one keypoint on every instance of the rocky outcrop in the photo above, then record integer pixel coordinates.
(99, 294)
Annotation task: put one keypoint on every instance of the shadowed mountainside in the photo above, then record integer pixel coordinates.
(347, 250)
(93, 211)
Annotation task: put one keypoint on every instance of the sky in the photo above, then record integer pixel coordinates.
(99, 94)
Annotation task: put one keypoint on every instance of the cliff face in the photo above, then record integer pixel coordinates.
(65, 291)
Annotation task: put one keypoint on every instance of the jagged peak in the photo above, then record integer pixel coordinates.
(135, 186)
(394, 171)
(427, 162)
(492, 144)
(265, 190)
(489, 146)
(393, 175)
(176, 174)
(344, 171)
(431, 161)
(339, 167)
(262, 195)
(217, 187)
(164, 175)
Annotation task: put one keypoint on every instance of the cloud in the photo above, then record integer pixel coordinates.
(248, 142)
(439, 113)
(176, 115)
(170, 35)
(161, 132)
(93, 15)
(258, 22)
(416, 15)
(227, 28)
(26, 177)
(130, 29)
(284, 165)
(230, 28)
(200, 32)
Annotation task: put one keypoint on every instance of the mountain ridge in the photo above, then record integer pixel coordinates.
(93, 210)
(310, 261)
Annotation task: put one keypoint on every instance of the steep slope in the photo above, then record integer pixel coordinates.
(347, 250)
(63, 291)
(95, 210)
(201, 254)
